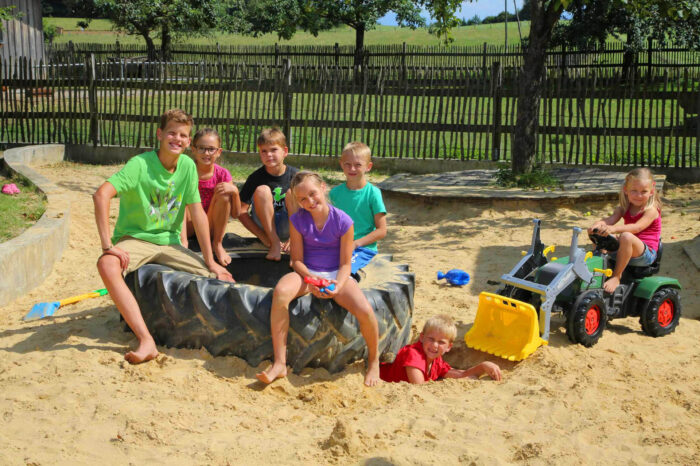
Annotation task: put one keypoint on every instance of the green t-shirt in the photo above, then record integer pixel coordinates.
(361, 205)
(152, 199)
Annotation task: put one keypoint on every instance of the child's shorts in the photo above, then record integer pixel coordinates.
(172, 255)
(281, 221)
(361, 257)
(644, 259)
(327, 275)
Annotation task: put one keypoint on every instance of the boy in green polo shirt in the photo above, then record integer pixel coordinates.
(362, 201)
(154, 188)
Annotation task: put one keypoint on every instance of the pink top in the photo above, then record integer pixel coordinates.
(206, 187)
(651, 235)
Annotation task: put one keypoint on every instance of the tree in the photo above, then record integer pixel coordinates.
(7, 15)
(169, 18)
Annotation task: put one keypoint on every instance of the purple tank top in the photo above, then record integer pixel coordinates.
(651, 235)
(322, 247)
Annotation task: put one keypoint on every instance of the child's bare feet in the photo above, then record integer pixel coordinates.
(372, 376)
(145, 352)
(221, 254)
(275, 252)
(611, 284)
(276, 371)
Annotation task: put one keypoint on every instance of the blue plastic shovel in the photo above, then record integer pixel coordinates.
(41, 310)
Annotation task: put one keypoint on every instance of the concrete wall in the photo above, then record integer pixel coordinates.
(28, 258)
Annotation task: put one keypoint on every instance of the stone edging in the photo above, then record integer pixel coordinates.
(28, 258)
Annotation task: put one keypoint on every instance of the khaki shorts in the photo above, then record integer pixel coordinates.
(172, 255)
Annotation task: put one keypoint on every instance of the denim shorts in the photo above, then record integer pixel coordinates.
(281, 221)
(644, 259)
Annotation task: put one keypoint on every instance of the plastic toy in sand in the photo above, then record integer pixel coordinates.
(321, 283)
(454, 277)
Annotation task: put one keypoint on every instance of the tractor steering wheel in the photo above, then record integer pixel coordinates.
(609, 243)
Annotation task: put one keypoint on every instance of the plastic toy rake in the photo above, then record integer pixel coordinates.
(41, 310)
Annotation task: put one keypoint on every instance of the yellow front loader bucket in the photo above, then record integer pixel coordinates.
(504, 327)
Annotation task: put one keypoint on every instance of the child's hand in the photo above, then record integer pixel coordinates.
(597, 226)
(222, 273)
(121, 254)
(492, 370)
(223, 189)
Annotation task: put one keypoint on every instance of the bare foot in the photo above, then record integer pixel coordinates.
(275, 253)
(145, 352)
(276, 371)
(611, 284)
(372, 376)
(221, 254)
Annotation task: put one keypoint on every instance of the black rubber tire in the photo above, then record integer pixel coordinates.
(658, 324)
(187, 311)
(576, 320)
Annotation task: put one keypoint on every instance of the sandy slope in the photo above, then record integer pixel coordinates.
(66, 395)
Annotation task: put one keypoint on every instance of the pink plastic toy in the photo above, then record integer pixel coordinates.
(10, 188)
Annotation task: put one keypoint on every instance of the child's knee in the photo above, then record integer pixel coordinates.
(262, 192)
(108, 264)
(627, 237)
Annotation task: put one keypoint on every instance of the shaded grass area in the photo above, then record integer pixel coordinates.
(20, 211)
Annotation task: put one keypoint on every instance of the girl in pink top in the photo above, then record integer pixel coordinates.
(218, 193)
(639, 235)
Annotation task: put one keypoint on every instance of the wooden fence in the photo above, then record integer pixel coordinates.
(656, 55)
(586, 117)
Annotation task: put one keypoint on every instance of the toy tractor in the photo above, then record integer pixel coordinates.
(515, 321)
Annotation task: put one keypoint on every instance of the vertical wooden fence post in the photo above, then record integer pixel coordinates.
(496, 93)
(277, 54)
(403, 61)
(287, 98)
(483, 59)
(336, 49)
(92, 101)
(650, 49)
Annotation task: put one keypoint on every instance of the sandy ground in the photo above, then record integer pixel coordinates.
(67, 396)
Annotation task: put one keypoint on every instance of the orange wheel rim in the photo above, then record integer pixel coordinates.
(592, 319)
(666, 312)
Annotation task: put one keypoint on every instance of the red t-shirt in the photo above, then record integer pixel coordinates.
(206, 187)
(412, 356)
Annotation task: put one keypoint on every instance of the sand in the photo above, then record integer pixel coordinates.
(68, 397)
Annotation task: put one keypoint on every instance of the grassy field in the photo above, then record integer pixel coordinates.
(20, 211)
(100, 31)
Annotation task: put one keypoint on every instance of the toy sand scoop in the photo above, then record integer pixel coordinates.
(41, 310)
(504, 327)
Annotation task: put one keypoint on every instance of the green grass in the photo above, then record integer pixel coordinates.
(20, 211)
(493, 34)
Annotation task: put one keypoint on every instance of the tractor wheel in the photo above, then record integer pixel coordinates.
(660, 317)
(586, 321)
(188, 311)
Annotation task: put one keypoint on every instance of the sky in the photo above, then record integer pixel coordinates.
(482, 8)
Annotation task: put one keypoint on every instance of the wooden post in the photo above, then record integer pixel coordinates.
(483, 59)
(403, 61)
(118, 51)
(650, 46)
(563, 63)
(287, 98)
(337, 54)
(277, 54)
(496, 93)
(92, 101)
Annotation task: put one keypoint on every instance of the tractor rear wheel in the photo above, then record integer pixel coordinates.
(660, 317)
(586, 321)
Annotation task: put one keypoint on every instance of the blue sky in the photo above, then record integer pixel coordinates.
(482, 8)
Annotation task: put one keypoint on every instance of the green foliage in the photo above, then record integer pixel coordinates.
(49, 31)
(537, 178)
(6, 14)
(20, 211)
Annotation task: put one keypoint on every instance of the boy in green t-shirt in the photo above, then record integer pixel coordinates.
(362, 201)
(153, 188)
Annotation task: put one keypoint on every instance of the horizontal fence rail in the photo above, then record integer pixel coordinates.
(600, 116)
(612, 54)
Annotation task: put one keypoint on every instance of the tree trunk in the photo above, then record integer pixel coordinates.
(531, 85)
(359, 44)
(150, 47)
(165, 43)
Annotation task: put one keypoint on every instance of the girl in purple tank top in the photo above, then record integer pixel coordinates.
(640, 233)
(321, 242)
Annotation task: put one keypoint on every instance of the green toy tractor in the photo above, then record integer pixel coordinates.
(573, 285)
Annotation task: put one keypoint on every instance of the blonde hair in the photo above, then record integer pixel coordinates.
(206, 132)
(177, 115)
(301, 176)
(640, 174)
(443, 324)
(359, 149)
(270, 136)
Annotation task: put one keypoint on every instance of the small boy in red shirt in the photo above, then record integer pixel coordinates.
(422, 361)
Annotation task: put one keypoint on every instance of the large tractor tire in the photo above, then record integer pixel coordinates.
(187, 311)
